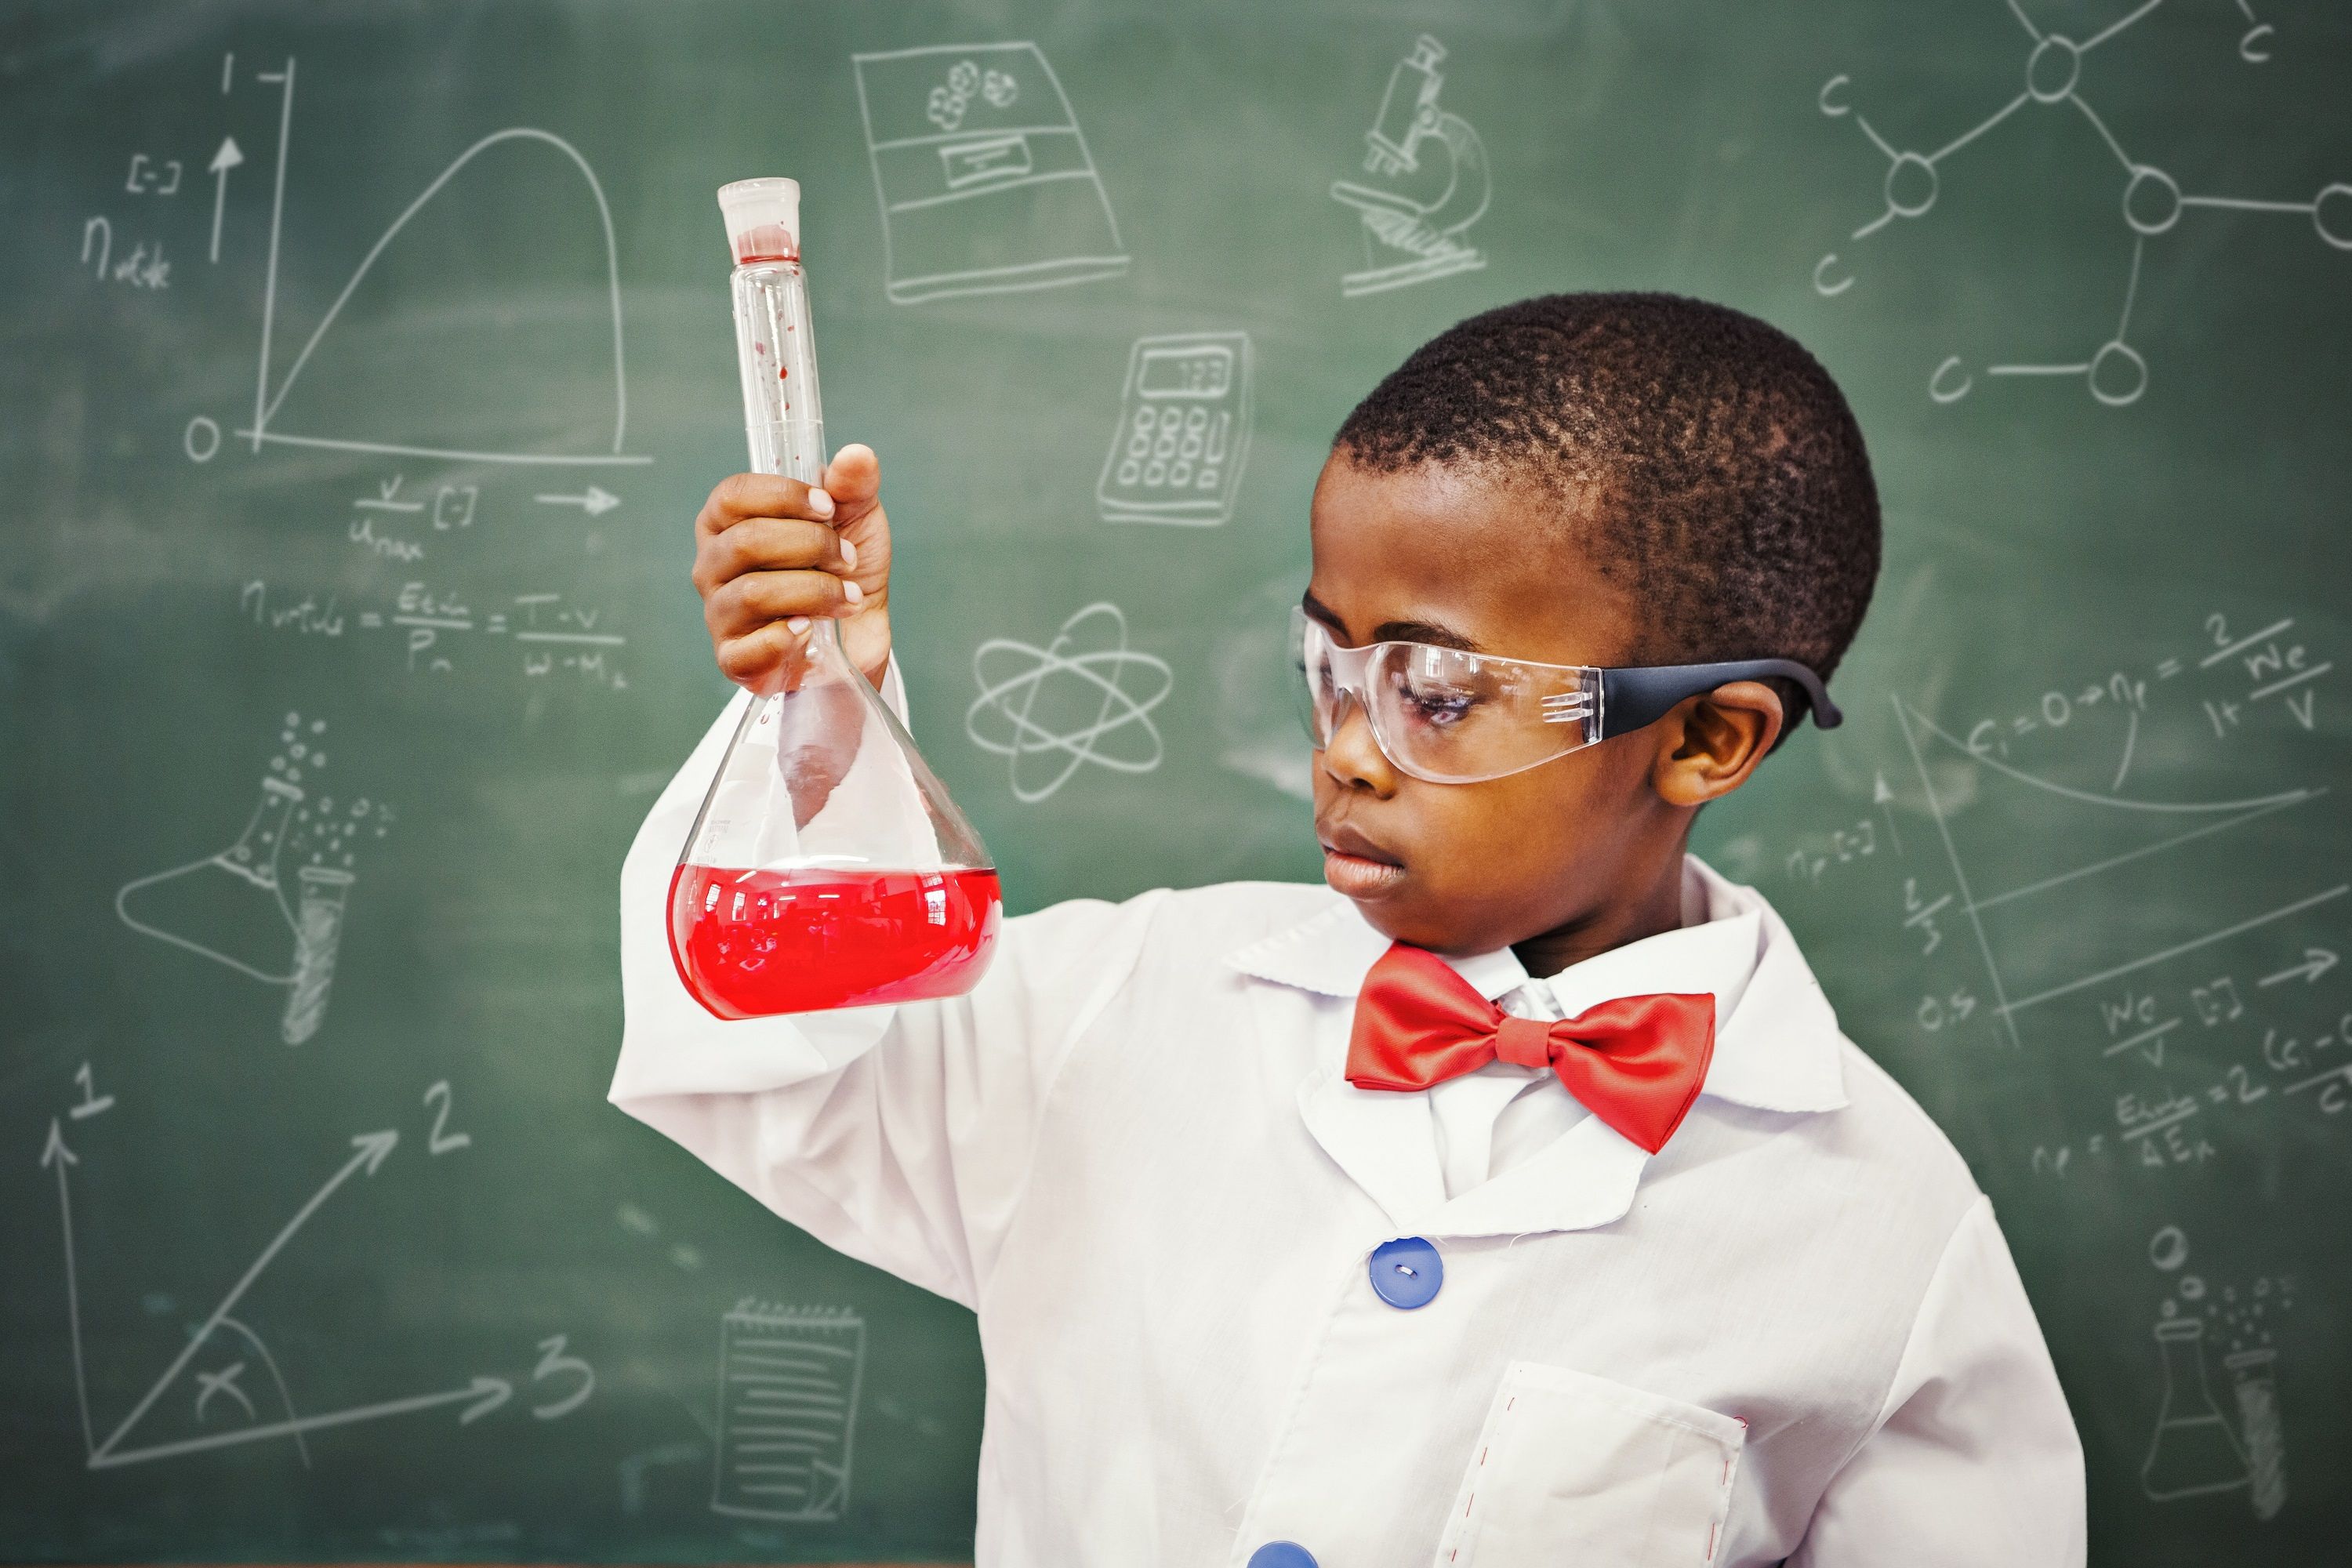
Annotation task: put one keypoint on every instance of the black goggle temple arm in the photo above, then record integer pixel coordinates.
(1631, 698)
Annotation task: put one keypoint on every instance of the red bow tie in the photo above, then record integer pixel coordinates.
(1635, 1062)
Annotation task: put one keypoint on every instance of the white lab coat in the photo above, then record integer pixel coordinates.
(1795, 1334)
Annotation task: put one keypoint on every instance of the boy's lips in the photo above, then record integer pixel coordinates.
(1356, 867)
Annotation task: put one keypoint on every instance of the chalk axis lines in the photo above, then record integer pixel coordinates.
(480, 1397)
(266, 402)
(2231, 814)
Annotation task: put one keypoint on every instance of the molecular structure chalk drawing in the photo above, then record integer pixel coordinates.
(2153, 201)
(1054, 709)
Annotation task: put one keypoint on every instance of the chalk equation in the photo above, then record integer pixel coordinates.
(143, 265)
(788, 1383)
(430, 626)
(414, 535)
(234, 906)
(1084, 698)
(2210, 1018)
(1435, 182)
(2269, 663)
(2152, 202)
(225, 1388)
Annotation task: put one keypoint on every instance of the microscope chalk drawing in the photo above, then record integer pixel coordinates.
(233, 907)
(1415, 223)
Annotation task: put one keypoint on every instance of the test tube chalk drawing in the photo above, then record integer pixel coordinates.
(232, 906)
(788, 1380)
(319, 933)
(984, 176)
(2253, 1379)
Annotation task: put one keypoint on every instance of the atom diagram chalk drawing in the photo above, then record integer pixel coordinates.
(2153, 201)
(1053, 710)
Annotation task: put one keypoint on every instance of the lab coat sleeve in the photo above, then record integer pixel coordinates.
(900, 1135)
(1975, 1458)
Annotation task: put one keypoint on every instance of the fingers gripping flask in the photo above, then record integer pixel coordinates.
(827, 866)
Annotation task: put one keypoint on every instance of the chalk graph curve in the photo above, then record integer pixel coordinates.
(612, 268)
(2092, 797)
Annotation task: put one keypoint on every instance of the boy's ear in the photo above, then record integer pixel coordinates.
(1707, 745)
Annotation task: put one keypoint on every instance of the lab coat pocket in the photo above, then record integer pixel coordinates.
(1572, 1467)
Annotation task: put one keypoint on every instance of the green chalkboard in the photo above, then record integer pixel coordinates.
(364, 367)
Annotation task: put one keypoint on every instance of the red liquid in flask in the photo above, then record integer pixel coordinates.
(751, 943)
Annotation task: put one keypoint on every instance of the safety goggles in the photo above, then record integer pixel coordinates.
(1448, 716)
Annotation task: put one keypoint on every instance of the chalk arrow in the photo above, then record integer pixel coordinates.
(228, 158)
(595, 501)
(494, 1392)
(55, 1152)
(481, 1396)
(376, 1145)
(1884, 798)
(2317, 961)
(372, 1147)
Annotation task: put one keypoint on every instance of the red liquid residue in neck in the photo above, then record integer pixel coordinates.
(765, 242)
(751, 943)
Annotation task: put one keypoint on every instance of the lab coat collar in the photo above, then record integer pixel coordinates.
(1777, 1048)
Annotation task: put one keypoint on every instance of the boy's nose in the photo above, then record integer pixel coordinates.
(1353, 756)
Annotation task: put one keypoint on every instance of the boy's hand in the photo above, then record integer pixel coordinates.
(772, 557)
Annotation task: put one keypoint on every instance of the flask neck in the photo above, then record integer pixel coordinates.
(783, 266)
(783, 411)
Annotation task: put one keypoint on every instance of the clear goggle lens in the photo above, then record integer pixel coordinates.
(1441, 714)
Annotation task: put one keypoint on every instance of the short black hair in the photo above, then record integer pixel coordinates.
(1702, 454)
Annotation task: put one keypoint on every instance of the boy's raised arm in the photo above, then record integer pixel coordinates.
(897, 1135)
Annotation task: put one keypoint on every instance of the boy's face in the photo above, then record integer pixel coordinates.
(1436, 554)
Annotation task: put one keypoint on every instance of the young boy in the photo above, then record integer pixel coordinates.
(1513, 1199)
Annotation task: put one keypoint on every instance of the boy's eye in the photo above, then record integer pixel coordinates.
(1435, 703)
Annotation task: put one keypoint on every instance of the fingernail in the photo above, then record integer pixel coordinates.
(797, 625)
(848, 553)
(819, 504)
(852, 592)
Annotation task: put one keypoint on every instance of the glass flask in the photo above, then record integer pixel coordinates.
(827, 866)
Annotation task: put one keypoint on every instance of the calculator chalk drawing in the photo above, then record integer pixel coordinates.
(1183, 431)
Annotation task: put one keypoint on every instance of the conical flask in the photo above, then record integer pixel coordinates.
(2193, 1451)
(827, 866)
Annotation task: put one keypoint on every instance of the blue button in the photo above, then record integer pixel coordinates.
(1282, 1554)
(1406, 1272)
